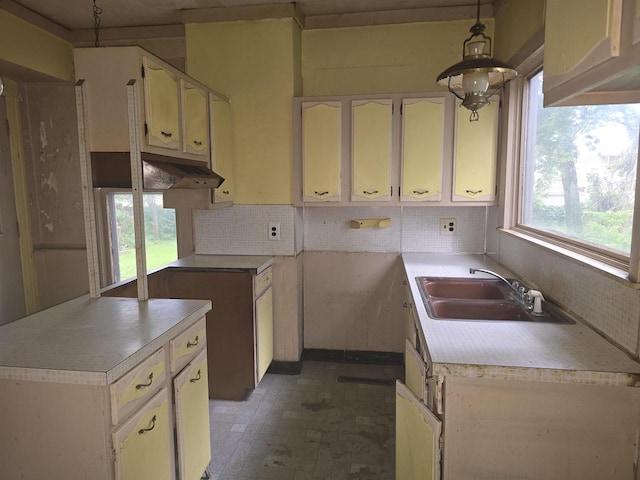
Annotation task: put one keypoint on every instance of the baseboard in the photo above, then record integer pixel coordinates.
(353, 356)
(285, 368)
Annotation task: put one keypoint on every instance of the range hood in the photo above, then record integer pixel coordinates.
(159, 172)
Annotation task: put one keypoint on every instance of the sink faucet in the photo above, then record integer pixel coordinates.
(520, 291)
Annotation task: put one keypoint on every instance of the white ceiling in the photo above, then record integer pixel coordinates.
(78, 14)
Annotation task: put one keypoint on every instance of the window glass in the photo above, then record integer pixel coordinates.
(159, 228)
(579, 170)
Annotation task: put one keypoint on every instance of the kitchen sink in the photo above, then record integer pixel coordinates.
(479, 299)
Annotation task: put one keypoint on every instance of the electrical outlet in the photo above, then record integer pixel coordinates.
(448, 226)
(274, 231)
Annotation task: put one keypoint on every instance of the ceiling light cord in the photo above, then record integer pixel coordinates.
(97, 11)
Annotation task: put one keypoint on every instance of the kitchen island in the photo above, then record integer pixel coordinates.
(512, 399)
(80, 380)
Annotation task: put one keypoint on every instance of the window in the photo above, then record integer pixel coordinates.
(159, 228)
(579, 171)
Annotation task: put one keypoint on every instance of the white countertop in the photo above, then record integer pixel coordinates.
(92, 341)
(243, 263)
(572, 353)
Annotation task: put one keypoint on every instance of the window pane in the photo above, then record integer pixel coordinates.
(580, 168)
(159, 228)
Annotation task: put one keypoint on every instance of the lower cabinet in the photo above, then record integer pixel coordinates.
(152, 421)
(264, 332)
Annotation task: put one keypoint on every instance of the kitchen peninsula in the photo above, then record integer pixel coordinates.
(81, 380)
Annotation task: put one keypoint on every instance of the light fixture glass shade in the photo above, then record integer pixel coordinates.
(1, 86)
(475, 82)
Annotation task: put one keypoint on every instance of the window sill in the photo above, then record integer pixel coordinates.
(601, 267)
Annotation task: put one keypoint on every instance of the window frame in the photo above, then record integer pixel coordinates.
(600, 257)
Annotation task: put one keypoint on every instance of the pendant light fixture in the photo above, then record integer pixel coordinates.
(478, 75)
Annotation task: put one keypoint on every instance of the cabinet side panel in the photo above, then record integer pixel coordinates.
(510, 429)
(53, 431)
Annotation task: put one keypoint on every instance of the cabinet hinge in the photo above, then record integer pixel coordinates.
(391, 191)
(441, 443)
(142, 70)
(113, 455)
(8, 129)
(401, 109)
(393, 108)
(146, 129)
(18, 228)
(398, 191)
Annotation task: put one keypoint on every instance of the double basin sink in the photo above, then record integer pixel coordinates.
(479, 299)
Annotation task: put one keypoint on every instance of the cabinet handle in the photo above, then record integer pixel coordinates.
(320, 194)
(140, 386)
(194, 343)
(166, 134)
(420, 192)
(198, 143)
(198, 377)
(473, 192)
(226, 192)
(370, 192)
(142, 431)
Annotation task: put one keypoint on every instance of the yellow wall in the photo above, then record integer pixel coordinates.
(516, 22)
(381, 59)
(28, 46)
(256, 65)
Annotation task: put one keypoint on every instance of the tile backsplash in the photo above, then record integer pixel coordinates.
(242, 230)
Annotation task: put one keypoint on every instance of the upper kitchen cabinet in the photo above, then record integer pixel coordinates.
(195, 119)
(222, 148)
(371, 154)
(321, 151)
(422, 149)
(476, 155)
(592, 51)
(171, 108)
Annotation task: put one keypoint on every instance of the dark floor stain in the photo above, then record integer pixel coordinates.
(282, 451)
(317, 406)
(377, 438)
(278, 462)
(364, 473)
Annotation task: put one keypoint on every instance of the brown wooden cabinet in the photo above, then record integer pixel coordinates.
(235, 361)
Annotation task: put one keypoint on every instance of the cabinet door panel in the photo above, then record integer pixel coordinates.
(162, 109)
(475, 157)
(195, 120)
(417, 438)
(422, 137)
(143, 444)
(321, 151)
(187, 344)
(192, 419)
(222, 147)
(415, 371)
(264, 332)
(371, 150)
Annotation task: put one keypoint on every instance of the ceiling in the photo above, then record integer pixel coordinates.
(75, 15)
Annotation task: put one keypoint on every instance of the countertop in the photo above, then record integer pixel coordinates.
(232, 263)
(92, 341)
(570, 353)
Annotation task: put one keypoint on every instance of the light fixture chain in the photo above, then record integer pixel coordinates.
(97, 11)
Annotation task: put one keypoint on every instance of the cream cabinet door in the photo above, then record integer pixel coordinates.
(415, 372)
(476, 155)
(143, 445)
(418, 433)
(192, 419)
(223, 152)
(321, 151)
(195, 120)
(161, 106)
(422, 145)
(371, 149)
(264, 332)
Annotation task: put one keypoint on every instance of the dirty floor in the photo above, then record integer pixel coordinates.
(333, 421)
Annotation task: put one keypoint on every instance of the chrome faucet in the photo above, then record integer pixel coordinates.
(519, 290)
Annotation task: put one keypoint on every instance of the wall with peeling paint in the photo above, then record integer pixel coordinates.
(55, 194)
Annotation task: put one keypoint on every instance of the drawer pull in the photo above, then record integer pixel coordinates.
(197, 378)
(194, 343)
(320, 194)
(474, 192)
(142, 431)
(198, 143)
(166, 134)
(140, 386)
(370, 192)
(421, 192)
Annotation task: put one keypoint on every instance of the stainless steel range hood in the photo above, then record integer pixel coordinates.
(160, 172)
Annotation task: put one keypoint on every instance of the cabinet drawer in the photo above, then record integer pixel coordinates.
(137, 386)
(183, 348)
(142, 445)
(262, 281)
